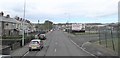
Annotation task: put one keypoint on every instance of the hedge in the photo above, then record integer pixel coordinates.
(11, 37)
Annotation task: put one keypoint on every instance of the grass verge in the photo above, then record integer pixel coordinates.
(109, 44)
(85, 33)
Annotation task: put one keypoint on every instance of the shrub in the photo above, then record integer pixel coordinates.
(11, 37)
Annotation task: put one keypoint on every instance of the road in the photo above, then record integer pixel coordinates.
(57, 44)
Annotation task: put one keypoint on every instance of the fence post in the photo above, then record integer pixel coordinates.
(99, 35)
(112, 39)
(89, 30)
(118, 33)
(105, 36)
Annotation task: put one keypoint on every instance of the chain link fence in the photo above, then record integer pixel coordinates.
(108, 37)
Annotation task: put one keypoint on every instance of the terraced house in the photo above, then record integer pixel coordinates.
(12, 26)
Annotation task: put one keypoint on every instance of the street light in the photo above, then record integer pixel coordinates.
(68, 15)
(23, 24)
(38, 26)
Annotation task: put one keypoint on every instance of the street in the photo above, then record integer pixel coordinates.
(57, 44)
(59, 28)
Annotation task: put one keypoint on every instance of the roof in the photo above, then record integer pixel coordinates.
(11, 20)
(2, 18)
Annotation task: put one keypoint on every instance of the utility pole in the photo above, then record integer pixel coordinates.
(38, 25)
(23, 33)
(68, 24)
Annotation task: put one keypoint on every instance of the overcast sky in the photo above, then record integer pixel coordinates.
(62, 11)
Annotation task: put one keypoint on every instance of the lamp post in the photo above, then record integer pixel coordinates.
(68, 15)
(23, 34)
(38, 26)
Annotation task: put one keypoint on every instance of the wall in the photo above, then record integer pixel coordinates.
(0, 28)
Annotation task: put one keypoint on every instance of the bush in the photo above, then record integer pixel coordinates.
(11, 37)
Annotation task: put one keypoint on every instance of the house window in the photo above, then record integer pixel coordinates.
(6, 24)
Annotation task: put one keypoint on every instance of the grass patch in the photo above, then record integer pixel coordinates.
(85, 33)
(17, 37)
(11, 37)
(109, 44)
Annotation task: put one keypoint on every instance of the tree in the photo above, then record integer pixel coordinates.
(48, 25)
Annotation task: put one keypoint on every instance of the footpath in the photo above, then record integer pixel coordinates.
(20, 51)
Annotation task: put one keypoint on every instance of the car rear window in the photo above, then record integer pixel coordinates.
(34, 42)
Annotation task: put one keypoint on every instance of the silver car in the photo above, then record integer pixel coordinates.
(35, 44)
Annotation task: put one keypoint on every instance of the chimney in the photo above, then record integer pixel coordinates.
(1, 13)
(17, 18)
(20, 19)
(7, 16)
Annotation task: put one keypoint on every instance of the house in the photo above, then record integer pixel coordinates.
(12, 26)
(8, 26)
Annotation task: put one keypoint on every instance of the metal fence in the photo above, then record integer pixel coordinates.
(107, 36)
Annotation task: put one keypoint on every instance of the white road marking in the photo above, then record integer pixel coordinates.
(55, 50)
(99, 53)
(82, 48)
(84, 44)
(26, 53)
(56, 43)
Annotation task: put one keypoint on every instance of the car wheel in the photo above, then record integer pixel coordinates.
(30, 49)
(39, 49)
(42, 46)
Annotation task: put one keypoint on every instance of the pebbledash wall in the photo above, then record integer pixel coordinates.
(9, 25)
(0, 26)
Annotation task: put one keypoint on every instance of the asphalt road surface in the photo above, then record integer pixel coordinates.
(57, 44)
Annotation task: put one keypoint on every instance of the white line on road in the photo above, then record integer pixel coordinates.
(82, 48)
(55, 50)
(26, 53)
(56, 43)
(84, 44)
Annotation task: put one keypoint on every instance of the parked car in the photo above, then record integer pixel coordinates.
(42, 32)
(36, 44)
(42, 37)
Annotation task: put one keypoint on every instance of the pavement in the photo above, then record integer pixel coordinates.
(20, 51)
